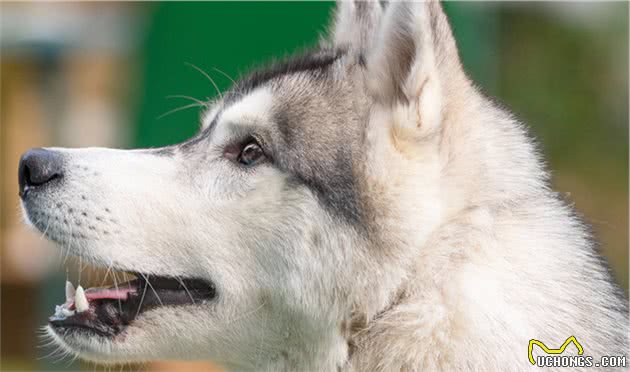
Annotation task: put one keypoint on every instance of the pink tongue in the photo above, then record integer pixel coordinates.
(109, 293)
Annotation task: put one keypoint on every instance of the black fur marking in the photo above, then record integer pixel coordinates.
(201, 136)
(190, 145)
(335, 187)
(361, 60)
(314, 61)
(163, 151)
(324, 166)
(213, 123)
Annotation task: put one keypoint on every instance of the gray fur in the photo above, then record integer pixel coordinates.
(401, 221)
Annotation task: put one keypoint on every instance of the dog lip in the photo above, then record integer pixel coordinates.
(110, 310)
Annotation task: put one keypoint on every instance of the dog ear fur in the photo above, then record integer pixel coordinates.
(407, 49)
(354, 25)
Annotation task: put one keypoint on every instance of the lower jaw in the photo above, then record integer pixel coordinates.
(89, 346)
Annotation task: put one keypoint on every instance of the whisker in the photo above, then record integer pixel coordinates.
(153, 289)
(187, 291)
(43, 235)
(63, 356)
(51, 354)
(46, 345)
(116, 286)
(224, 74)
(141, 300)
(72, 240)
(106, 274)
(179, 109)
(216, 87)
(66, 255)
(75, 357)
(80, 268)
(188, 98)
(247, 314)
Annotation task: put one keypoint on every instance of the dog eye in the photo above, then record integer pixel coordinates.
(251, 154)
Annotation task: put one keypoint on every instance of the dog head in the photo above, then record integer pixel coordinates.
(255, 240)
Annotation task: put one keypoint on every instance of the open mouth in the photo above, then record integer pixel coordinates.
(107, 311)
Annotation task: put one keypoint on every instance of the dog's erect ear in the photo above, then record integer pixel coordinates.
(413, 57)
(355, 23)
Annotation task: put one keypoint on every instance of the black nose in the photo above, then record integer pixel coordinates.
(38, 167)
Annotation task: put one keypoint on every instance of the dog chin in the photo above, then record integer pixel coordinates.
(129, 346)
(83, 346)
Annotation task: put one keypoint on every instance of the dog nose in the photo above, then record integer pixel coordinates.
(38, 167)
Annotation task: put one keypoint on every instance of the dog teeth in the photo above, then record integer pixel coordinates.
(80, 301)
(70, 292)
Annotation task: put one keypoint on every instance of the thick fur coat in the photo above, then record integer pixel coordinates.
(400, 220)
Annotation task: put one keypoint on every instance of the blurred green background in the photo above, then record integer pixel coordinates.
(101, 74)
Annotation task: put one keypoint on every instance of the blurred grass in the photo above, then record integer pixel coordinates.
(570, 85)
(233, 37)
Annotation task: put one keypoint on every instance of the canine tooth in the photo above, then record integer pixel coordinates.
(69, 291)
(80, 301)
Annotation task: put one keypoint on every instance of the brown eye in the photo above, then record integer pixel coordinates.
(251, 154)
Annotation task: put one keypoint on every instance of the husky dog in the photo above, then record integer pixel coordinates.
(361, 207)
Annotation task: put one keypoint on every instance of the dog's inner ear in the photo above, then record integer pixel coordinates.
(408, 50)
(413, 46)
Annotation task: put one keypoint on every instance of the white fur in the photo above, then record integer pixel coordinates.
(256, 106)
(469, 254)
